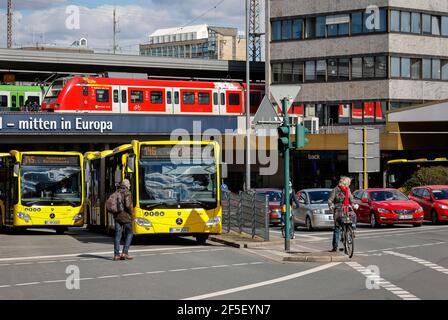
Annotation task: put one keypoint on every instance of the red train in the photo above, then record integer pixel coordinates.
(138, 96)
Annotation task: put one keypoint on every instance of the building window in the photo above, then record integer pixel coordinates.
(445, 26)
(357, 23)
(188, 97)
(102, 95)
(381, 67)
(356, 68)
(395, 67)
(426, 69)
(276, 72)
(287, 72)
(416, 23)
(383, 20)
(156, 97)
(321, 70)
(204, 98)
(405, 21)
(297, 29)
(405, 67)
(320, 27)
(368, 70)
(435, 25)
(332, 69)
(286, 29)
(310, 28)
(297, 72)
(435, 69)
(395, 21)
(357, 111)
(416, 69)
(444, 69)
(310, 70)
(426, 24)
(136, 96)
(344, 69)
(332, 30)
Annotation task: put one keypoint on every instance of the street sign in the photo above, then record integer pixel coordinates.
(266, 114)
(290, 91)
(356, 146)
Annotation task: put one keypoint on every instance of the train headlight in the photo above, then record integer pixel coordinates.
(77, 217)
(213, 221)
(24, 216)
(142, 222)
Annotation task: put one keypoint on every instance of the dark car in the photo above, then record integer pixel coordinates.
(434, 201)
(275, 210)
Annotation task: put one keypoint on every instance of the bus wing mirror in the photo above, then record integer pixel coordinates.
(130, 163)
(392, 178)
(16, 170)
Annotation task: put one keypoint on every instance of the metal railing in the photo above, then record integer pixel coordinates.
(246, 212)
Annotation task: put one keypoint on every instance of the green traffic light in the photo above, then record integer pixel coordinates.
(301, 140)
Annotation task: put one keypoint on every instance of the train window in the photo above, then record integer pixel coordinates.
(156, 97)
(85, 91)
(124, 97)
(21, 101)
(176, 97)
(204, 98)
(188, 97)
(215, 98)
(223, 99)
(116, 96)
(136, 96)
(102, 95)
(234, 99)
(3, 101)
(13, 101)
(168, 97)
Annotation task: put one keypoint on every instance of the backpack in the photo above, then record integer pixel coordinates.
(114, 203)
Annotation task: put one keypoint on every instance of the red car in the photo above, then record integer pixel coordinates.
(387, 206)
(275, 210)
(434, 201)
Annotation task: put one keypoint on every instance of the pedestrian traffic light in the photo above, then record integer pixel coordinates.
(283, 137)
(301, 140)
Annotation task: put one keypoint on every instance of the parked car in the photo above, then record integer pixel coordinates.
(433, 200)
(313, 211)
(275, 210)
(378, 206)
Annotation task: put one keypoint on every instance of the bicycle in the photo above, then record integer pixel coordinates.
(291, 225)
(348, 233)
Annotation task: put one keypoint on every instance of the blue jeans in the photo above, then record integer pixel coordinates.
(338, 230)
(119, 229)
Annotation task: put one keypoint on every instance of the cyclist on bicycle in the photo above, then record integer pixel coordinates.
(339, 202)
(292, 199)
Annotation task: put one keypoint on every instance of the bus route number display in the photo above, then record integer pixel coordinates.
(193, 151)
(32, 160)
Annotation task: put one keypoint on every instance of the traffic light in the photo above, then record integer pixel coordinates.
(284, 141)
(301, 141)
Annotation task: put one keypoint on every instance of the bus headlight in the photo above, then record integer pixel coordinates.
(142, 222)
(24, 216)
(213, 221)
(77, 217)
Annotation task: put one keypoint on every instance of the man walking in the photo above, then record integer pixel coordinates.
(123, 222)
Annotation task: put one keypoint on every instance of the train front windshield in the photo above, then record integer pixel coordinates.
(49, 180)
(54, 91)
(164, 184)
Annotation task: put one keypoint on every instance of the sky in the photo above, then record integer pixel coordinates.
(44, 21)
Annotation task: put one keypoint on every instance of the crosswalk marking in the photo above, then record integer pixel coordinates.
(426, 263)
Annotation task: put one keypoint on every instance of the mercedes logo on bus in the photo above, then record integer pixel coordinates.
(52, 215)
(179, 221)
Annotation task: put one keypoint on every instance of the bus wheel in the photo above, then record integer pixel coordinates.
(201, 239)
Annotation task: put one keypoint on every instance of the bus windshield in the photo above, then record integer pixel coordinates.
(166, 184)
(43, 184)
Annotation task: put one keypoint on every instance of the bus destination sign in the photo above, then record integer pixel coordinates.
(41, 160)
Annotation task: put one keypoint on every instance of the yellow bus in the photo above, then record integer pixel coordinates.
(175, 187)
(41, 189)
(399, 171)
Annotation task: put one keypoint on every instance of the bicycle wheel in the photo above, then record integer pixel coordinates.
(349, 245)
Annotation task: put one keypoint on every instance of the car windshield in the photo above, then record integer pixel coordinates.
(440, 194)
(317, 197)
(274, 196)
(167, 184)
(387, 195)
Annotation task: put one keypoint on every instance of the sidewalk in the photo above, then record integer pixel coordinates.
(274, 249)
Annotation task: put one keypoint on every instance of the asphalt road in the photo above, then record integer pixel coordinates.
(390, 263)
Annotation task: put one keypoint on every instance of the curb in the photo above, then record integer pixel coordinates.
(226, 242)
(242, 244)
(323, 258)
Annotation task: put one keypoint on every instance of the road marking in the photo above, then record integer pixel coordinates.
(26, 284)
(399, 292)
(259, 262)
(23, 263)
(43, 262)
(177, 270)
(71, 260)
(405, 247)
(107, 277)
(87, 259)
(263, 283)
(153, 272)
(132, 274)
(220, 266)
(426, 263)
(199, 268)
(240, 264)
(5, 286)
(54, 281)
(83, 254)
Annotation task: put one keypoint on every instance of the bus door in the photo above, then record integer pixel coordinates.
(116, 99)
(176, 101)
(215, 102)
(124, 107)
(169, 101)
(4, 100)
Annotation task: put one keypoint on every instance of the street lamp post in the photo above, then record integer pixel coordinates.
(248, 126)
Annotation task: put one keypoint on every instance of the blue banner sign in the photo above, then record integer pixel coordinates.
(52, 123)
